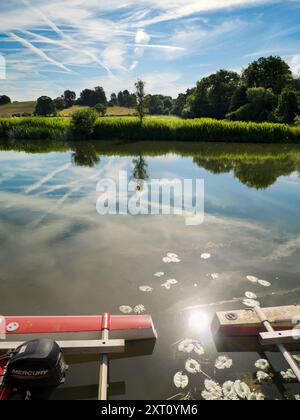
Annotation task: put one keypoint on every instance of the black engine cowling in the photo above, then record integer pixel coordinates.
(36, 364)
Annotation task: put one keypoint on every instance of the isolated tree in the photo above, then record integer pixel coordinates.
(4, 100)
(287, 106)
(83, 123)
(101, 109)
(140, 98)
(269, 73)
(45, 106)
(70, 98)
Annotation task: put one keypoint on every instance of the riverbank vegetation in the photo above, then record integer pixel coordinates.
(154, 129)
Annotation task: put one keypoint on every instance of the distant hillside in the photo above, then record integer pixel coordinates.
(17, 108)
(111, 111)
(29, 107)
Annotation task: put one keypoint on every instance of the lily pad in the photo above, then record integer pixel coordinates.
(172, 281)
(251, 303)
(205, 256)
(242, 390)
(181, 380)
(262, 364)
(288, 375)
(263, 377)
(223, 362)
(125, 309)
(264, 283)
(250, 295)
(170, 255)
(252, 279)
(186, 346)
(213, 390)
(229, 391)
(256, 396)
(159, 274)
(139, 309)
(146, 289)
(192, 366)
(198, 349)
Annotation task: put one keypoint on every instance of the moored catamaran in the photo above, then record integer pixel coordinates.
(34, 363)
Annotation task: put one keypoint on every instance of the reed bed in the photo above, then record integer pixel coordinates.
(154, 129)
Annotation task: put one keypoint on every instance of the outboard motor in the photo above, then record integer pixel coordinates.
(37, 366)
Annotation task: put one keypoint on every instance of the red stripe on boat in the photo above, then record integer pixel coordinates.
(65, 324)
(106, 322)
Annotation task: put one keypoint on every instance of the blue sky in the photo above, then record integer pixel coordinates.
(50, 46)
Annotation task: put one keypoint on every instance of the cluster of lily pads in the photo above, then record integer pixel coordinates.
(229, 390)
(250, 299)
(138, 309)
(233, 391)
(171, 258)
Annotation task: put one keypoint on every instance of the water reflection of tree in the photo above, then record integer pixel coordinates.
(85, 155)
(140, 171)
(255, 173)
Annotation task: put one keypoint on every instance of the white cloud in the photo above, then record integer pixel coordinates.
(113, 57)
(295, 64)
(142, 37)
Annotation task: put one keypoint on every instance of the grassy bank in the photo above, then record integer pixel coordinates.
(166, 129)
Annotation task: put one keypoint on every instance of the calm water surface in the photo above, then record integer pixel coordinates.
(58, 256)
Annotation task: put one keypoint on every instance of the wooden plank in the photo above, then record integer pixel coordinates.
(245, 322)
(279, 337)
(78, 347)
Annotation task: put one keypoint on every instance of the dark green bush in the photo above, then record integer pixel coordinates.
(83, 123)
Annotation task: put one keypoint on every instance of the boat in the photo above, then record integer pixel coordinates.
(246, 323)
(274, 326)
(45, 341)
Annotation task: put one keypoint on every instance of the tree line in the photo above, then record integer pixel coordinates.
(265, 91)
